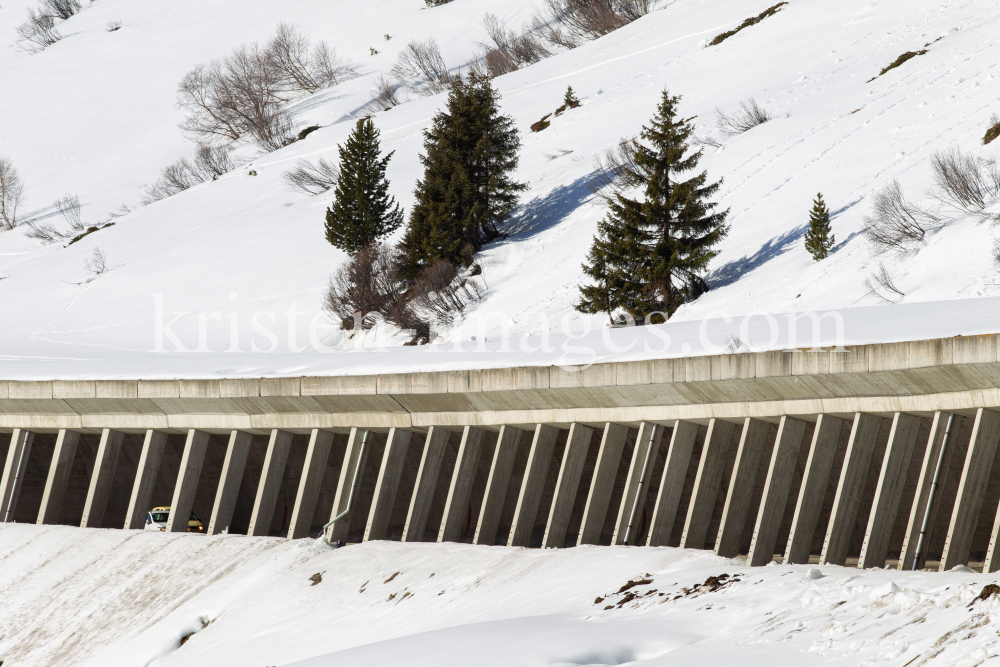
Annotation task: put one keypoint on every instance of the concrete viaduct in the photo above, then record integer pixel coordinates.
(817, 455)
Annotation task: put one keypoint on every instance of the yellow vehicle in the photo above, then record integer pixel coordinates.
(156, 519)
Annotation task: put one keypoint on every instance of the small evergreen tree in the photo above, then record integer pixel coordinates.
(362, 211)
(650, 255)
(819, 240)
(467, 191)
(570, 98)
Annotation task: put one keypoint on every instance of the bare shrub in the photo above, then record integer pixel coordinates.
(707, 140)
(311, 179)
(748, 117)
(509, 51)
(112, 26)
(441, 295)
(421, 62)
(590, 19)
(38, 31)
(11, 193)
(174, 178)
(69, 208)
(616, 171)
(98, 262)
(894, 223)
(384, 94)
(301, 68)
(965, 182)
(994, 130)
(366, 288)
(211, 162)
(61, 9)
(882, 285)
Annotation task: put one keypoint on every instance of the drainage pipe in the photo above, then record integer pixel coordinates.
(642, 480)
(354, 483)
(930, 496)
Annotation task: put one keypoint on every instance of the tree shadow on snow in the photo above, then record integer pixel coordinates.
(543, 213)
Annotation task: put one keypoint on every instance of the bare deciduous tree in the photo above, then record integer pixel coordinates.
(366, 288)
(966, 182)
(302, 68)
(421, 62)
(748, 117)
(509, 51)
(98, 262)
(38, 31)
(384, 94)
(590, 19)
(11, 193)
(895, 224)
(311, 179)
(61, 9)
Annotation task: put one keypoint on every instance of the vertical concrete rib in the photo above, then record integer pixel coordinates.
(425, 485)
(971, 488)
(145, 479)
(753, 441)
(270, 482)
(815, 480)
(13, 472)
(396, 447)
(101, 479)
(675, 470)
(533, 485)
(496, 486)
(58, 478)
(188, 477)
(567, 484)
(918, 511)
(889, 492)
(706, 484)
(344, 502)
(776, 489)
(609, 457)
(310, 483)
(229, 481)
(460, 489)
(857, 458)
(647, 447)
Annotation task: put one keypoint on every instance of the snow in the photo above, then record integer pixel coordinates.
(126, 598)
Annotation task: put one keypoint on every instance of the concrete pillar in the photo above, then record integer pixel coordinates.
(753, 441)
(533, 485)
(889, 491)
(310, 482)
(13, 472)
(971, 489)
(780, 473)
(609, 457)
(355, 460)
(815, 480)
(270, 482)
(857, 458)
(567, 484)
(672, 483)
(932, 453)
(497, 484)
(229, 481)
(460, 489)
(393, 457)
(145, 479)
(706, 484)
(188, 477)
(425, 485)
(647, 447)
(101, 479)
(58, 478)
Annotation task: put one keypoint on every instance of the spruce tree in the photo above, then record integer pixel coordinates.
(650, 255)
(819, 240)
(362, 211)
(467, 191)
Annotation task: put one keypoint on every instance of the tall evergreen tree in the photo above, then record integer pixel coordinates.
(650, 255)
(819, 238)
(362, 211)
(467, 191)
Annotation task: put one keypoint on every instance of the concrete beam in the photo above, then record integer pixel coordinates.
(778, 485)
(644, 454)
(815, 479)
(229, 481)
(425, 486)
(460, 489)
(675, 470)
(753, 442)
(393, 458)
(13, 472)
(497, 484)
(567, 485)
(59, 470)
(313, 468)
(102, 478)
(532, 485)
(270, 482)
(602, 483)
(889, 492)
(345, 501)
(188, 477)
(145, 479)
(706, 483)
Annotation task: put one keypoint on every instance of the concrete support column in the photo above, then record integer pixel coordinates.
(532, 485)
(497, 485)
(971, 488)
(753, 441)
(145, 479)
(13, 472)
(425, 485)
(706, 484)
(344, 502)
(857, 458)
(457, 503)
(317, 456)
(102, 478)
(270, 482)
(647, 447)
(393, 458)
(58, 478)
(675, 470)
(889, 491)
(609, 457)
(815, 480)
(935, 442)
(567, 484)
(229, 481)
(188, 477)
(776, 489)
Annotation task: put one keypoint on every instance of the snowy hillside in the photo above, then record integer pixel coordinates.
(94, 115)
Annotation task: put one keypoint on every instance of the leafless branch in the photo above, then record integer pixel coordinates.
(881, 280)
(421, 63)
(895, 224)
(383, 96)
(749, 116)
(311, 179)
(965, 182)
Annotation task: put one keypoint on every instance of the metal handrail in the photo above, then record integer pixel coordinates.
(642, 480)
(17, 476)
(930, 496)
(354, 483)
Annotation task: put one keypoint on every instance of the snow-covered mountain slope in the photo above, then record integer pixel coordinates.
(113, 598)
(95, 115)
